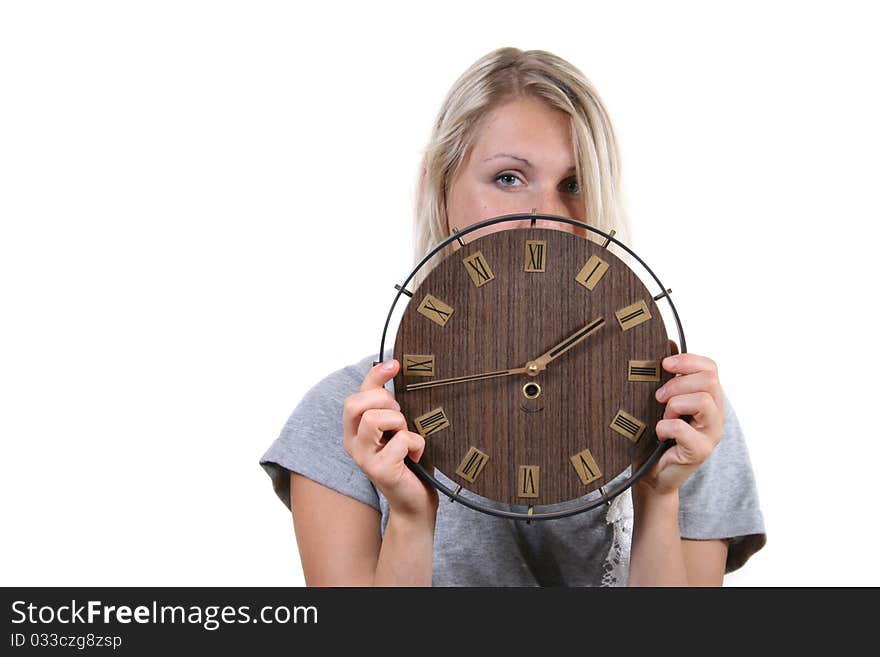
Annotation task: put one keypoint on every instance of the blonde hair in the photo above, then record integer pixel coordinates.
(499, 76)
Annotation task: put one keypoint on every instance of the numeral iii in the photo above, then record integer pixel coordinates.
(644, 370)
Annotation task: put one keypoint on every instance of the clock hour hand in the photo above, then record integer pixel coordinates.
(462, 379)
(539, 364)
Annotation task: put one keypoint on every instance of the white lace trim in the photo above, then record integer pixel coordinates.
(620, 516)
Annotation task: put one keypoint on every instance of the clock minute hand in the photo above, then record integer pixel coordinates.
(540, 363)
(532, 367)
(462, 379)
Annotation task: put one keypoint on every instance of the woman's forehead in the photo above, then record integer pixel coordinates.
(524, 129)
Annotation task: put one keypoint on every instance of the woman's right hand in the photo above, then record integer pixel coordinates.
(366, 415)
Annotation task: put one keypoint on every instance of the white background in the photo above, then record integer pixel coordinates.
(205, 205)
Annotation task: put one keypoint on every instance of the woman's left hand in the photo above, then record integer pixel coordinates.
(695, 391)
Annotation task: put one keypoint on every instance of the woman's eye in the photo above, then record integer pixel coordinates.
(507, 179)
(571, 186)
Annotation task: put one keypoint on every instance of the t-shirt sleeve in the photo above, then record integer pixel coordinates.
(720, 500)
(311, 441)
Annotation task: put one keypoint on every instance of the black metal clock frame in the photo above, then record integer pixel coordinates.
(572, 507)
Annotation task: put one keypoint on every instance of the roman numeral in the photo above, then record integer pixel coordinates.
(431, 422)
(633, 315)
(435, 310)
(644, 370)
(529, 481)
(592, 272)
(535, 255)
(627, 425)
(472, 464)
(585, 466)
(478, 269)
(418, 365)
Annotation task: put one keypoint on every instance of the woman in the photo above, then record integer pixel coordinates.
(518, 132)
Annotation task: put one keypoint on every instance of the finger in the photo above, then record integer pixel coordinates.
(402, 444)
(689, 364)
(691, 446)
(374, 423)
(688, 383)
(417, 447)
(699, 405)
(355, 405)
(380, 374)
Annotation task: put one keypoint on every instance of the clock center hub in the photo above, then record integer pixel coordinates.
(531, 390)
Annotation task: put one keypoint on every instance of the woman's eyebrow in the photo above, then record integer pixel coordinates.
(571, 169)
(515, 157)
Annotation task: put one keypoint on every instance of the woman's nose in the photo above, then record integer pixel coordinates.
(547, 223)
(556, 225)
(550, 202)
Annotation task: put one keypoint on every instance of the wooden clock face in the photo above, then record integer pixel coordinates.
(589, 329)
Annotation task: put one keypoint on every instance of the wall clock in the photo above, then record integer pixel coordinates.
(529, 362)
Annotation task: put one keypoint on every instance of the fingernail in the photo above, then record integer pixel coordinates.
(388, 365)
(660, 394)
(670, 361)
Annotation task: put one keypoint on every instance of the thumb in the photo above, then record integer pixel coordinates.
(380, 374)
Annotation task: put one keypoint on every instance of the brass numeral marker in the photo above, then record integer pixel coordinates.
(529, 481)
(478, 269)
(585, 466)
(633, 315)
(472, 464)
(644, 370)
(418, 365)
(435, 310)
(627, 425)
(536, 253)
(592, 272)
(431, 422)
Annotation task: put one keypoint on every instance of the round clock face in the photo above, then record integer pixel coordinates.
(529, 361)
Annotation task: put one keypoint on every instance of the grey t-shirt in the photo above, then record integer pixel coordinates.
(474, 549)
